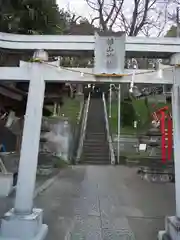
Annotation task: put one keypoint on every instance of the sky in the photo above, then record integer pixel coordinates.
(76, 6)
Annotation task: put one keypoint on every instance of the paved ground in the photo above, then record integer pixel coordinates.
(105, 203)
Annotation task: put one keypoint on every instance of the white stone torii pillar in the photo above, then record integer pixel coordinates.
(172, 224)
(23, 221)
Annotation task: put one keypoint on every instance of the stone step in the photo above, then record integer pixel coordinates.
(95, 126)
(94, 118)
(97, 130)
(90, 158)
(100, 141)
(95, 115)
(98, 150)
(96, 121)
(95, 141)
(96, 154)
(95, 148)
(96, 162)
(96, 145)
(96, 134)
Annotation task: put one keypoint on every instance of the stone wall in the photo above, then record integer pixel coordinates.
(56, 135)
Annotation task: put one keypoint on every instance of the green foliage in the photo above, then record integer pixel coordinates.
(142, 110)
(172, 32)
(70, 109)
(127, 114)
(32, 17)
(113, 121)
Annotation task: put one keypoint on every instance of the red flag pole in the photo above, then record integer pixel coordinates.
(163, 137)
(170, 141)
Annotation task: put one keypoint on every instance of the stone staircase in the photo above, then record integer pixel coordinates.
(95, 147)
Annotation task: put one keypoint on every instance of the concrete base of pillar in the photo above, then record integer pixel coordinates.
(23, 227)
(172, 229)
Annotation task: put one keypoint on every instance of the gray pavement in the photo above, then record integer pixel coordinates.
(105, 203)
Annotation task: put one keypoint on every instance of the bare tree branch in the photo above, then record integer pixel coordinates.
(92, 5)
(118, 9)
(143, 17)
(75, 18)
(93, 20)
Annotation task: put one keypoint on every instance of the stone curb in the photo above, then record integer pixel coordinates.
(45, 185)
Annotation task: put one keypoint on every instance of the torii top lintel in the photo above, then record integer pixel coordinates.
(74, 44)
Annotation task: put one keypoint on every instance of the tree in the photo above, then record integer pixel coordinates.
(33, 17)
(128, 114)
(145, 15)
(172, 32)
(30, 17)
(84, 27)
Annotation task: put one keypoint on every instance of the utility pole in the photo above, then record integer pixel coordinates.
(178, 24)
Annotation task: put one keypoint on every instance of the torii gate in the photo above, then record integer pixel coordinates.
(25, 222)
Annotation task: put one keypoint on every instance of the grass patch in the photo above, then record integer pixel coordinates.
(128, 131)
(141, 110)
(69, 110)
(60, 163)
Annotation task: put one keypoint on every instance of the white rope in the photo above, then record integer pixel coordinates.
(133, 74)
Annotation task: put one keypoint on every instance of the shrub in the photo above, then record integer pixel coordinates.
(127, 114)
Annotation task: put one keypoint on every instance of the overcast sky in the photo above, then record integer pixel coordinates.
(77, 6)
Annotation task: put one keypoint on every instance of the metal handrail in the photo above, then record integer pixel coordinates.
(111, 149)
(74, 140)
(80, 112)
(83, 130)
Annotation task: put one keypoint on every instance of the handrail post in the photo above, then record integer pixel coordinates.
(111, 150)
(110, 101)
(119, 123)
